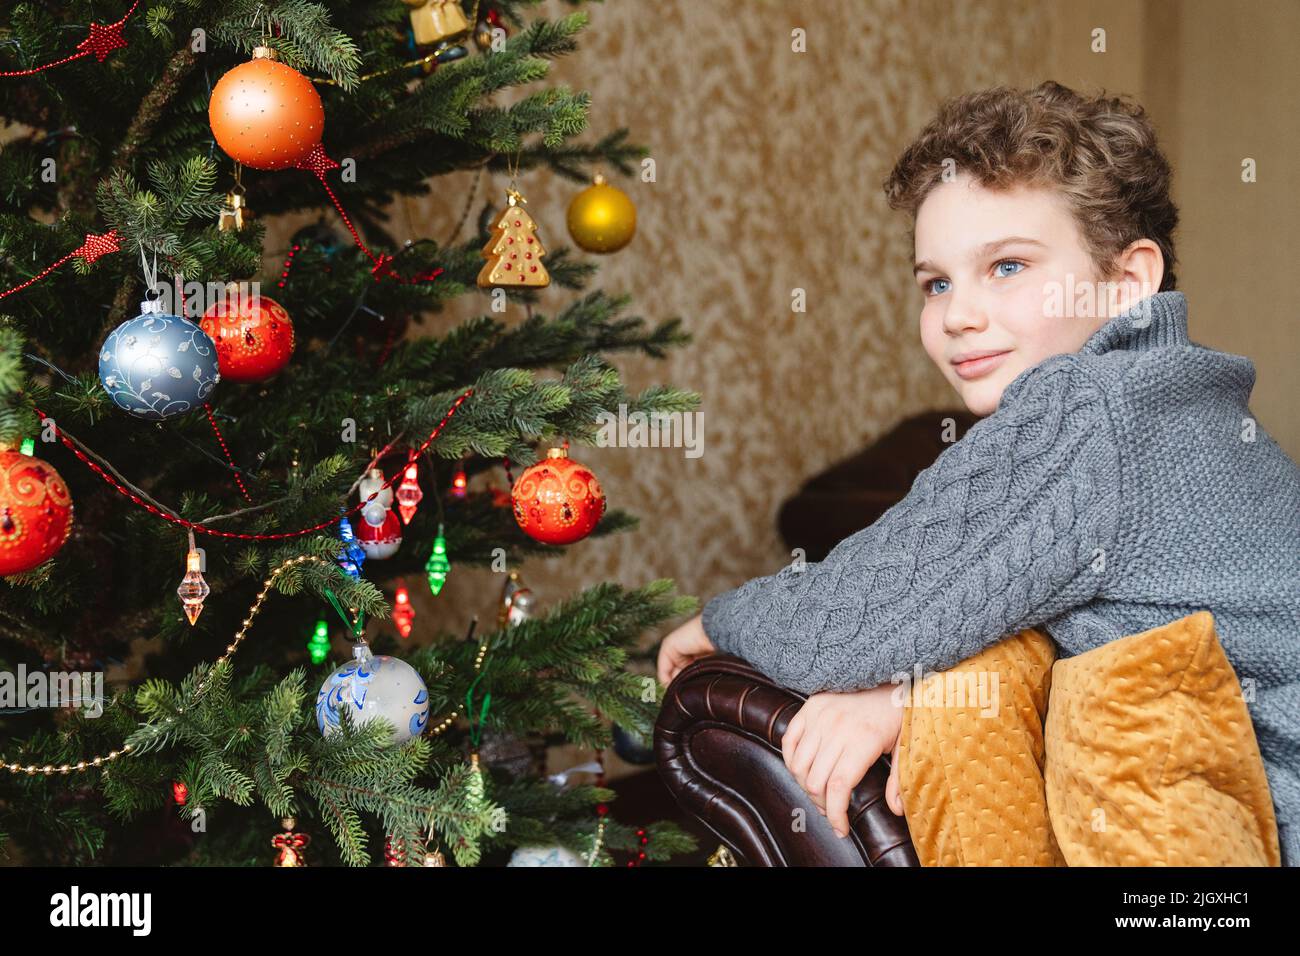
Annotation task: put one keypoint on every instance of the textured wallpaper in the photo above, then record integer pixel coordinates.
(768, 165)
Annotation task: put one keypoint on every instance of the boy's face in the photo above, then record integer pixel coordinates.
(991, 265)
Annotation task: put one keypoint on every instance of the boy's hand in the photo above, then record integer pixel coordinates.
(683, 646)
(833, 741)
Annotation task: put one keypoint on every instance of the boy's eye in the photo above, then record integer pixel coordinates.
(930, 288)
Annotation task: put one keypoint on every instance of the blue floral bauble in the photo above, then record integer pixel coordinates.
(544, 856)
(157, 365)
(374, 686)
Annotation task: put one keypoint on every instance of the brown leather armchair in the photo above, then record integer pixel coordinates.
(718, 749)
(718, 735)
(855, 492)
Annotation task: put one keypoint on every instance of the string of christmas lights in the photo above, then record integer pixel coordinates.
(176, 519)
(100, 759)
(195, 697)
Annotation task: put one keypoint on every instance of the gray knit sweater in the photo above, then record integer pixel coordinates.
(1136, 446)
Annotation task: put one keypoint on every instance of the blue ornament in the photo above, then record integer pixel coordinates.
(158, 365)
(451, 52)
(632, 746)
(351, 555)
(321, 236)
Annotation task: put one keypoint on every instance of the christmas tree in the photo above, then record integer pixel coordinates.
(218, 443)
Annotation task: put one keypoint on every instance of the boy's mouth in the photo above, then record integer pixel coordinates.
(971, 365)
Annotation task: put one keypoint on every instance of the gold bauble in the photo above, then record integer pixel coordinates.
(602, 218)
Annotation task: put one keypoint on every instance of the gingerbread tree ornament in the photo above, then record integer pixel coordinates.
(514, 253)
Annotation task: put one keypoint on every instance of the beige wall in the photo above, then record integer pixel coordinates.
(769, 168)
(1220, 81)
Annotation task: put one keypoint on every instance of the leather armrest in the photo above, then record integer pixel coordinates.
(717, 745)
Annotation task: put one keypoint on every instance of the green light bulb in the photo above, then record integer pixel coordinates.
(438, 566)
(319, 644)
(29, 447)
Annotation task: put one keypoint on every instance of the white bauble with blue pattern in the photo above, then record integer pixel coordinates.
(374, 686)
(158, 365)
(544, 856)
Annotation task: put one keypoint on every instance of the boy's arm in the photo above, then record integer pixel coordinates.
(1002, 532)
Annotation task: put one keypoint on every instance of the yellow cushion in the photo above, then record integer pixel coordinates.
(1152, 758)
(971, 755)
(1137, 753)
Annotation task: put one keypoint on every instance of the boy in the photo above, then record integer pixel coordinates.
(1117, 482)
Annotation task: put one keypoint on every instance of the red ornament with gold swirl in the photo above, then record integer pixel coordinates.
(557, 500)
(35, 512)
(253, 334)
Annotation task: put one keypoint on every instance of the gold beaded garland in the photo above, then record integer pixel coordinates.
(82, 765)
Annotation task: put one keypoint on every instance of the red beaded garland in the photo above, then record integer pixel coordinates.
(92, 250)
(172, 517)
(557, 500)
(104, 38)
(254, 337)
(212, 420)
(35, 512)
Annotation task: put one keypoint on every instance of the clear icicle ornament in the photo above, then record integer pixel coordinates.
(193, 589)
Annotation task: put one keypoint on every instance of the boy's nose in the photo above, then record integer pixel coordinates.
(964, 316)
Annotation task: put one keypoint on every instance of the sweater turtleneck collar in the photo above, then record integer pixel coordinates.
(1156, 321)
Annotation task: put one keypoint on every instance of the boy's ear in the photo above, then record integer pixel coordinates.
(1139, 270)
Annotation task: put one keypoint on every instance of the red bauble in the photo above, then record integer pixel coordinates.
(265, 114)
(557, 501)
(35, 512)
(254, 337)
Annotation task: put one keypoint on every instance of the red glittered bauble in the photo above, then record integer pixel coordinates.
(254, 336)
(35, 512)
(265, 114)
(557, 500)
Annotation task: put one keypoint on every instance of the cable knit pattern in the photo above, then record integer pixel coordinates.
(1113, 490)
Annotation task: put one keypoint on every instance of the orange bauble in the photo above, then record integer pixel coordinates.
(35, 512)
(557, 501)
(254, 337)
(265, 114)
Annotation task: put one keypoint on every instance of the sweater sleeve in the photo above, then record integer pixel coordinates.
(1011, 526)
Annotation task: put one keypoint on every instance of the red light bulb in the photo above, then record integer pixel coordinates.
(409, 493)
(403, 613)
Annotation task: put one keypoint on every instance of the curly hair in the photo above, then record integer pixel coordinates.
(1100, 152)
